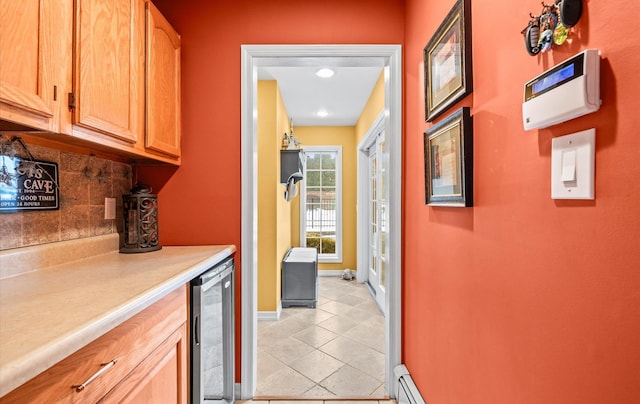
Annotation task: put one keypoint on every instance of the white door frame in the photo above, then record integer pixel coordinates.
(253, 56)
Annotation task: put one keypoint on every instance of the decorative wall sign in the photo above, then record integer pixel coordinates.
(28, 185)
(448, 161)
(447, 62)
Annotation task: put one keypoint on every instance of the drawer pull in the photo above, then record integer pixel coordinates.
(104, 368)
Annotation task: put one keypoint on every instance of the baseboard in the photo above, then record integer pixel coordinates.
(328, 400)
(270, 315)
(330, 272)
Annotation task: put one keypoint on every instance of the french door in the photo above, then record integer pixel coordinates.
(377, 218)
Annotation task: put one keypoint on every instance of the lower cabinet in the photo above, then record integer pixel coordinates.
(142, 360)
(160, 378)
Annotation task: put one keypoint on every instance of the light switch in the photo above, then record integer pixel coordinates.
(568, 165)
(573, 165)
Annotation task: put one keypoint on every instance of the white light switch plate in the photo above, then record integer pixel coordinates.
(573, 165)
(109, 208)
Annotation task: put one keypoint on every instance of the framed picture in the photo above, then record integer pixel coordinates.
(447, 62)
(448, 161)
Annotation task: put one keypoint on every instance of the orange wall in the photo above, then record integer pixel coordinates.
(520, 299)
(523, 299)
(199, 203)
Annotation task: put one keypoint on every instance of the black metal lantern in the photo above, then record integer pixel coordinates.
(140, 220)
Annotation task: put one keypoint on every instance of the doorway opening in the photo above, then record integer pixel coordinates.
(254, 56)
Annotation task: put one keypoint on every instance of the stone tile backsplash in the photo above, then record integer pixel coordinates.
(84, 183)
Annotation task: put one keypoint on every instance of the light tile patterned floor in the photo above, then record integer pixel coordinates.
(335, 351)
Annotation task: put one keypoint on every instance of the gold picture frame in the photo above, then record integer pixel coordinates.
(448, 161)
(447, 62)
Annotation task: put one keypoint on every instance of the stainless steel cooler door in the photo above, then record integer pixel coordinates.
(212, 339)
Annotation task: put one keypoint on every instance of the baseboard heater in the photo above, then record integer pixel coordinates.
(406, 390)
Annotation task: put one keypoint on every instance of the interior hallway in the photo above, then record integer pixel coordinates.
(335, 351)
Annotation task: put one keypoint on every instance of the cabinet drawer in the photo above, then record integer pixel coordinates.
(160, 378)
(128, 345)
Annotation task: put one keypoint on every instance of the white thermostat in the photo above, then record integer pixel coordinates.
(566, 91)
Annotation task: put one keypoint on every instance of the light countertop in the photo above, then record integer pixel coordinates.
(48, 314)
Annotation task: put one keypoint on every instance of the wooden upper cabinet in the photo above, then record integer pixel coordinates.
(35, 62)
(162, 85)
(109, 68)
(99, 74)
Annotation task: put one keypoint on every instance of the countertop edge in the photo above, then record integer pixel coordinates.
(18, 372)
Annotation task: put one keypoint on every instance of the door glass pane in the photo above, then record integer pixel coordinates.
(373, 216)
(212, 347)
(383, 228)
(382, 195)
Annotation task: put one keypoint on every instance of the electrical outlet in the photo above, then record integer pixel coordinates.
(109, 208)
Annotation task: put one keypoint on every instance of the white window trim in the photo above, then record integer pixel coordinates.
(328, 258)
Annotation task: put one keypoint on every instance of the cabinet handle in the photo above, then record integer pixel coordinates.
(104, 368)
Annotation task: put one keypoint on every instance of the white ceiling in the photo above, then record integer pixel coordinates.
(343, 96)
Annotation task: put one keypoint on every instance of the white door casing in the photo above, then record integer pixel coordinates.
(253, 56)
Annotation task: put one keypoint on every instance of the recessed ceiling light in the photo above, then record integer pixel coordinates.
(325, 73)
(323, 113)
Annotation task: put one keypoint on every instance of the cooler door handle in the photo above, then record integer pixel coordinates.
(196, 329)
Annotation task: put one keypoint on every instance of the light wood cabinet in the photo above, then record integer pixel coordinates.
(103, 75)
(108, 82)
(162, 84)
(159, 379)
(35, 73)
(145, 358)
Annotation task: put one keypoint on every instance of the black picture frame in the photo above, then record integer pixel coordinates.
(448, 161)
(448, 72)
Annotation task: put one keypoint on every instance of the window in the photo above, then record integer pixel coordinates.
(321, 202)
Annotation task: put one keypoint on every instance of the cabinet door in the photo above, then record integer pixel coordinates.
(163, 85)
(109, 67)
(160, 378)
(35, 55)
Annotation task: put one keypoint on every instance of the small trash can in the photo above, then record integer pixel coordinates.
(300, 277)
